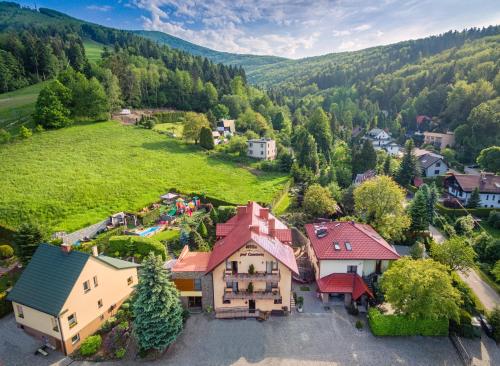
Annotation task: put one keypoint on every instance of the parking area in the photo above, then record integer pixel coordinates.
(18, 349)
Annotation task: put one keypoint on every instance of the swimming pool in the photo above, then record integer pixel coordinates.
(149, 231)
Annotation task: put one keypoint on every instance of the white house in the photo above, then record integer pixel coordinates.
(262, 149)
(226, 127)
(378, 137)
(393, 149)
(432, 165)
(346, 258)
(461, 186)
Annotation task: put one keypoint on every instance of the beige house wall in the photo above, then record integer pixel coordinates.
(112, 288)
(36, 320)
(259, 261)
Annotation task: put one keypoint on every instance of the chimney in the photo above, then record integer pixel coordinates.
(264, 213)
(271, 227)
(254, 228)
(66, 248)
(241, 210)
(95, 251)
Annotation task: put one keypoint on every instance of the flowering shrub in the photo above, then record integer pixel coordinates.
(117, 339)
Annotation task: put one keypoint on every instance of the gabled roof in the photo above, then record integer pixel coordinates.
(253, 223)
(361, 177)
(428, 160)
(51, 275)
(344, 283)
(365, 243)
(486, 182)
(48, 279)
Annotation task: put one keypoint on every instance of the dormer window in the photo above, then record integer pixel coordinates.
(336, 245)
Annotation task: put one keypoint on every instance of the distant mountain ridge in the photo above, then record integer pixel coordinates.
(247, 61)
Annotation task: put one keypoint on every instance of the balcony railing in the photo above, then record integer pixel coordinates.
(245, 295)
(247, 277)
(240, 312)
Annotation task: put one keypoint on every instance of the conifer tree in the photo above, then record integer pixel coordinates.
(474, 199)
(202, 229)
(157, 309)
(408, 168)
(365, 159)
(387, 165)
(206, 138)
(418, 211)
(28, 237)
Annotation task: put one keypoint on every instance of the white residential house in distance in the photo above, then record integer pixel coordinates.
(461, 186)
(378, 137)
(393, 149)
(226, 127)
(432, 165)
(262, 149)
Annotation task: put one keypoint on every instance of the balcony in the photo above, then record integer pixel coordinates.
(247, 277)
(255, 295)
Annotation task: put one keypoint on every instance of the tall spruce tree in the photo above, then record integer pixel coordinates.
(365, 159)
(431, 195)
(157, 309)
(387, 165)
(206, 138)
(474, 199)
(319, 127)
(418, 211)
(28, 237)
(408, 168)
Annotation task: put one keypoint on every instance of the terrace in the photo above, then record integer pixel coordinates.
(257, 295)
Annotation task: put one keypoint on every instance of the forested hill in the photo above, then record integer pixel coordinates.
(343, 69)
(37, 45)
(248, 62)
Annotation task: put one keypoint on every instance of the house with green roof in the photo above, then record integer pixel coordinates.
(64, 296)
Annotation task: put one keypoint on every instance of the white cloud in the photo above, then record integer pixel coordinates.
(346, 46)
(362, 28)
(103, 8)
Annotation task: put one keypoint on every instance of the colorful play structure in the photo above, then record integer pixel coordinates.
(182, 206)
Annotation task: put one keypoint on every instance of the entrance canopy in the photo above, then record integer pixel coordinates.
(344, 283)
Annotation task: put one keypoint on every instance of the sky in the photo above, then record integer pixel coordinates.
(293, 28)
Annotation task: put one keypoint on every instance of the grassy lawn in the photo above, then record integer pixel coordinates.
(16, 107)
(282, 205)
(93, 50)
(176, 128)
(167, 235)
(76, 176)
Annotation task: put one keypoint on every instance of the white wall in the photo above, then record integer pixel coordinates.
(442, 169)
(486, 199)
(339, 266)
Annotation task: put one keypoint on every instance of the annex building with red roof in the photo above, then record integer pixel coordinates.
(249, 270)
(346, 257)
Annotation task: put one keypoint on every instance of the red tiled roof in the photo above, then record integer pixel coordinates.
(191, 261)
(252, 222)
(365, 242)
(344, 283)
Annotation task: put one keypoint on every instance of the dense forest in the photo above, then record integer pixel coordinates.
(38, 45)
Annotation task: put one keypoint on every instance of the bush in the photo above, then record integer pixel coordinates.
(464, 328)
(91, 345)
(224, 213)
(482, 212)
(149, 217)
(399, 325)
(120, 352)
(5, 306)
(494, 319)
(116, 340)
(128, 245)
(6, 251)
(494, 219)
(108, 324)
(359, 324)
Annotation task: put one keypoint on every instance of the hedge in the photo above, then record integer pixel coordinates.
(279, 195)
(5, 306)
(170, 117)
(129, 245)
(458, 212)
(149, 217)
(398, 325)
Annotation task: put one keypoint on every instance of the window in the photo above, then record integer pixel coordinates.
(226, 301)
(72, 320)
(197, 284)
(348, 246)
(278, 301)
(352, 269)
(86, 286)
(130, 280)
(229, 284)
(55, 326)
(438, 164)
(275, 265)
(487, 197)
(99, 303)
(228, 265)
(95, 281)
(336, 245)
(19, 309)
(75, 338)
(251, 144)
(262, 153)
(274, 284)
(436, 171)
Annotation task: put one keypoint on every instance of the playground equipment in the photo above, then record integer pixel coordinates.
(186, 207)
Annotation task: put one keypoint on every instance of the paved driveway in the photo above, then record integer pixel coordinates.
(17, 348)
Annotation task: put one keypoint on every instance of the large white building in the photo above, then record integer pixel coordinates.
(461, 186)
(262, 149)
(378, 137)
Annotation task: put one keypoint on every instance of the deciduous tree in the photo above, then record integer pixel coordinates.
(489, 159)
(420, 289)
(193, 123)
(456, 253)
(318, 201)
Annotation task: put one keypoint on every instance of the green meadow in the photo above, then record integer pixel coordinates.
(93, 50)
(76, 176)
(16, 107)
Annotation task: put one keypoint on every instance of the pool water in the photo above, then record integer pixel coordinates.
(149, 231)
